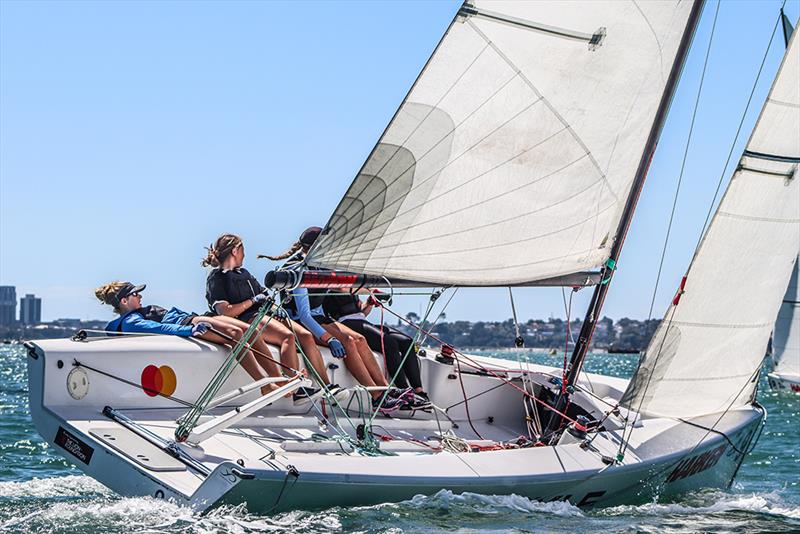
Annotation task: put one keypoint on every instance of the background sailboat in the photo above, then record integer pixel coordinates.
(785, 372)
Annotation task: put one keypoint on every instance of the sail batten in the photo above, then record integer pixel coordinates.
(706, 354)
(511, 158)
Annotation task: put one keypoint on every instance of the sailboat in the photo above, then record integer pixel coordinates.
(516, 159)
(785, 357)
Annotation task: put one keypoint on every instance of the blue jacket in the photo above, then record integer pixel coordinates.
(169, 323)
(304, 313)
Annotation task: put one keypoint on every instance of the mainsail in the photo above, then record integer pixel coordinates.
(705, 356)
(786, 336)
(512, 156)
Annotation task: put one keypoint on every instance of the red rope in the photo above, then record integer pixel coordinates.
(474, 364)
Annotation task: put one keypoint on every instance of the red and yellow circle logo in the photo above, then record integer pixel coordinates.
(157, 380)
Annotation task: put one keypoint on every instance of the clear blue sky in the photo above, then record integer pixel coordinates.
(133, 133)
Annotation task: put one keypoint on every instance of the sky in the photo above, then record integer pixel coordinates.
(133, 133)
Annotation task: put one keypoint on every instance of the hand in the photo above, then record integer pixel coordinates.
(337, 349)
(280, 313)
(258, 299)
(200, 328)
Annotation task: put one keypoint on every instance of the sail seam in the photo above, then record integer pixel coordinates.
(553, 110)
(450, 162)
(705, 378)
(508, 243)
(783, 103)
(449, 213)
(720, 325)
(755, 219)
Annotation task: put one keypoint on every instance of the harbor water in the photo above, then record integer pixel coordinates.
(40, 491)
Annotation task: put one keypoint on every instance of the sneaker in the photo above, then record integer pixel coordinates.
(388, 406)
(337, 392)
(418, 402)
(402, 394)
(304, 395)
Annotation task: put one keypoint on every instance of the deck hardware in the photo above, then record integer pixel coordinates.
(60, 364)
(80, 335)
(244, 475)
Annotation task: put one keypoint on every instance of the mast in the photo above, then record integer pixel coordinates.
(598, 297)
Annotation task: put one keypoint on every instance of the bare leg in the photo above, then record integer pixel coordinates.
(276, 333)
(311, 350)
(268, 363)
(366, 353)
(353, 361)
(248, 361)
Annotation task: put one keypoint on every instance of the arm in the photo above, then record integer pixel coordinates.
(136, 323)
(223, 307)
(300, 296)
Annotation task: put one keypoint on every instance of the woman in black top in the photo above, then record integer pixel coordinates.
(231, 290)
(398, 348)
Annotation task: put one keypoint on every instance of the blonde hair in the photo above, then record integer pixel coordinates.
(221, 249)
(297, 245)
(105, 293)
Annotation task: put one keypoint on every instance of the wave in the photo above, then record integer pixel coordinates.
(45, 488)
(713, 503)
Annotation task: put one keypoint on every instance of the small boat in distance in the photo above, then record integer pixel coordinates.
(785, 357)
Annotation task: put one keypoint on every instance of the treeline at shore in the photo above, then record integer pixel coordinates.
(624, 335)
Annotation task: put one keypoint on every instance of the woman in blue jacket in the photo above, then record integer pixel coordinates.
(126, 300)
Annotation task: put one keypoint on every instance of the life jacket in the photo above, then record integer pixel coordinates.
(340, 303)
(233, 286)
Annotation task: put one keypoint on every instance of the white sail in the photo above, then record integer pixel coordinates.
(512, 156)
(705, 356)
(786, 336)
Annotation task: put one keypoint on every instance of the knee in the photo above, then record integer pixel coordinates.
(234, 331)
(305, 337)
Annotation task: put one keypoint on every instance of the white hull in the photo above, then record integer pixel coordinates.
(270, 461)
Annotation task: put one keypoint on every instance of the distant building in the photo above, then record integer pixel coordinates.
(30, 310)
(8, 305)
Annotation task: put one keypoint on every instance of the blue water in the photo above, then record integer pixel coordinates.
(42, 492)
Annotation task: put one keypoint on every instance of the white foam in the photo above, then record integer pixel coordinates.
(494, 504)
(762, 503)
(67, 486)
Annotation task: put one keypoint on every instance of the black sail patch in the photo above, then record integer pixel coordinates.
(74, 445)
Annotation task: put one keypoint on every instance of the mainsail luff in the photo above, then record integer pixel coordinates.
(512, 156)
(581, 348)
(706, 354)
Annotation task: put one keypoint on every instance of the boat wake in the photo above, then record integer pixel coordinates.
(78, 503)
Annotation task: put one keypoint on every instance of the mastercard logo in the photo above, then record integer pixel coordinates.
(157, 380)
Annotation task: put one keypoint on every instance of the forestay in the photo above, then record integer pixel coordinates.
(786, 336)
(512, 156)
(706, 353)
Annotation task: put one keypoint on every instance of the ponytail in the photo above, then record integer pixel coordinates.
(297, 245)
(220, 250)
(106, 293)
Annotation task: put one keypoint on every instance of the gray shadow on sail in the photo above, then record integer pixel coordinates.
(395, 176)
(652, 368)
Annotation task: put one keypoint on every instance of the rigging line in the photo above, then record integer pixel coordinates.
(505, 244)
(624, 443)
(410, 350)
(430, 111)
(450, 213)
(571, 337)
(552, 109)
(146, 389)
(472, 363)
(452, 160)
(683, 164)
(519, 342)
(736, 137)
(439, 315)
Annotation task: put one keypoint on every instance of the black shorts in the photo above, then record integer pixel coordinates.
(323, 319)
(188, 320)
